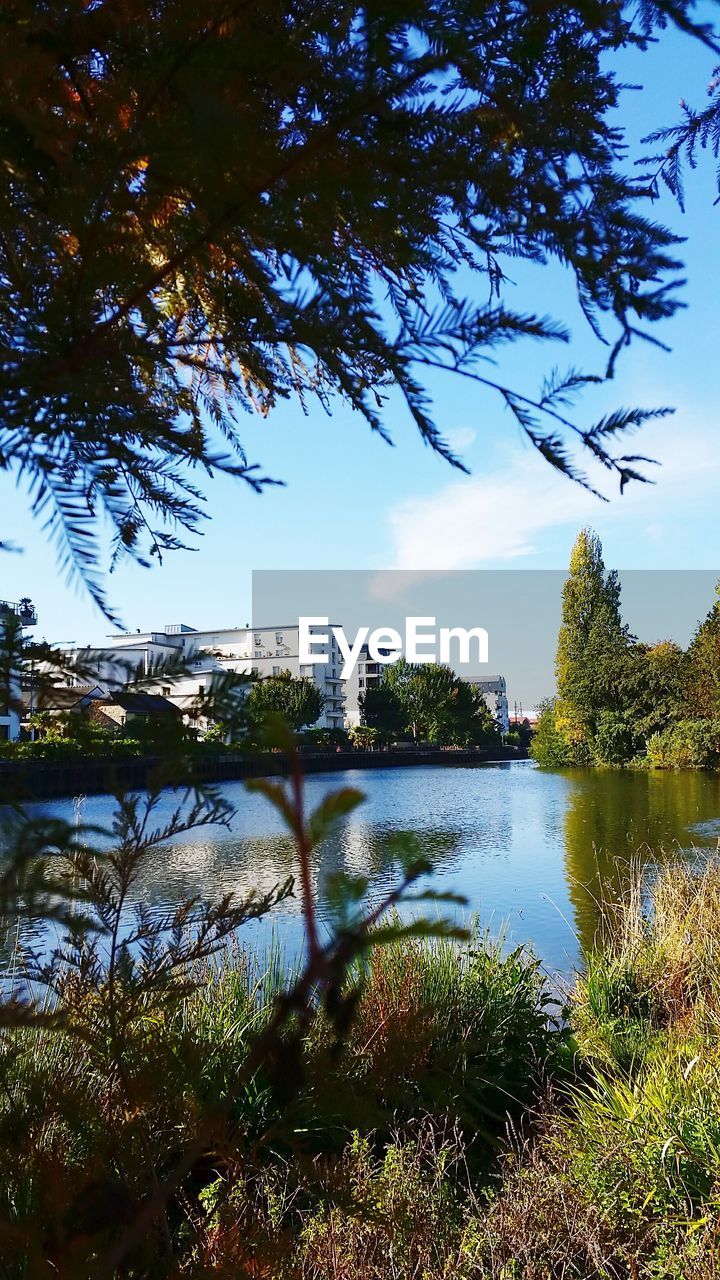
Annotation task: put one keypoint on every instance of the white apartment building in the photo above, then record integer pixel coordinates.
(495, 693)
(265, 651)
(367, 673)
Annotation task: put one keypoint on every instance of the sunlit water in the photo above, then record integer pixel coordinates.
(531, 851)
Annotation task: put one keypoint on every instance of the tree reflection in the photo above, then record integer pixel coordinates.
(616, 821)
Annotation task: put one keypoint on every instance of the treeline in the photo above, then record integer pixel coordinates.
(425, 703)
(428, 703)
(619, 700)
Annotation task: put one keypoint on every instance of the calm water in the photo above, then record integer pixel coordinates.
(530, 850)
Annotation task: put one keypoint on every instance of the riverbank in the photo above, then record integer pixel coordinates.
(463, 1132)
(91, 775)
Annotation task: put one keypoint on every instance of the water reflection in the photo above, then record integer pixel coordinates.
(614, 821)
(532, 851)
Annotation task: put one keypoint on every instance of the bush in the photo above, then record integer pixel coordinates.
(59, 749)
(690, 744)
(324, 739)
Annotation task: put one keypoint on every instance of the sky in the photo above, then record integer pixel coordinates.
(351, 502)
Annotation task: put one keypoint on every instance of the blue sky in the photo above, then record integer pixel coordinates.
(352, 502)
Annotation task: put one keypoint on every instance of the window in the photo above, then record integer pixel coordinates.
(361, 683)
(166, 690)
(276, 671)
(278, 638)
(258, 640)
(201, 689)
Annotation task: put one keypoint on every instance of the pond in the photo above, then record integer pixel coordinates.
(532, 851)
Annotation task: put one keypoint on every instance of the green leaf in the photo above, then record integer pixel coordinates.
(336, 805)
(343, 894)
(277, 795)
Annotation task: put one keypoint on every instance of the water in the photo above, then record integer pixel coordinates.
(531, 850)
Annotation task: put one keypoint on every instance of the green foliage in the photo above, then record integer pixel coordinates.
(202, 205)
(689, 744)
(704, 666)
(324, 739)
(430, 703)
(296, 698)
(616, 740)
(403, 1204)
(651, 684)
(476, 1038)
(363, 737)
(453, 1032)
(591, 642)
(620, 701)
(548, 746)
(58, 747)
(382, 709)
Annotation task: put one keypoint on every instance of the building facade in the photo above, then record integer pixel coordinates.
(495, 694)
(259, 651)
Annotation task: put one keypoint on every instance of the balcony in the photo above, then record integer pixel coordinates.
(23, 609)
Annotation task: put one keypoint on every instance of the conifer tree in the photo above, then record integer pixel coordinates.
(208, 208)
(591, 643)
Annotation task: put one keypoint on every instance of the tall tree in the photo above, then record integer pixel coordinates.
(211, 207)
(592, 642)
(704, 666)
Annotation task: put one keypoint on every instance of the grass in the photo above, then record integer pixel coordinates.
(458, 1131)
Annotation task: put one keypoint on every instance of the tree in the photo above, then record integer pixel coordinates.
(428, 701)
(297, 699)
(362, 737)
(653, 686)
(616, 740)
(382, 709)
(592, 643)
(697, 131)
(471, 723)
(209, 208)
(549, 746)
(704, 666)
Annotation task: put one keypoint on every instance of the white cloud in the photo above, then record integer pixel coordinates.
(484, 518)
(502, 515)
(460, 438)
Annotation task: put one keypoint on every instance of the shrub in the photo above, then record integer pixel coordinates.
(396, 1213)
(690, 744)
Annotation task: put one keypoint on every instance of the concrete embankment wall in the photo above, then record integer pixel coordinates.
(45, 779)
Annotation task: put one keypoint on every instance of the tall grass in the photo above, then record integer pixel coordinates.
(451, 1037)
(455, 1131)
